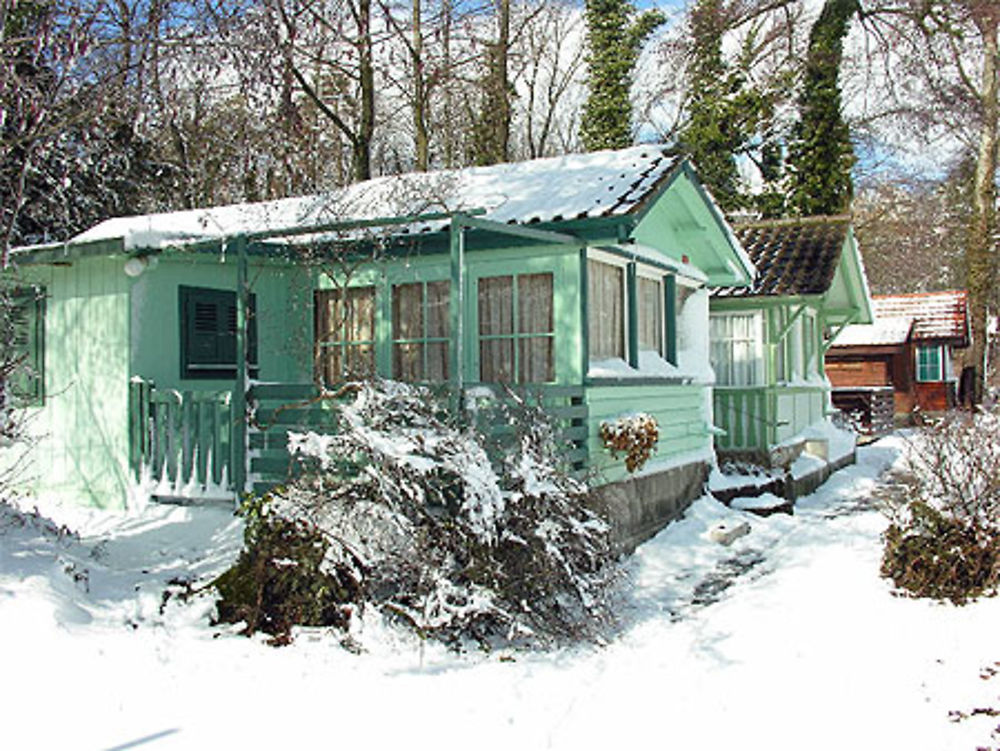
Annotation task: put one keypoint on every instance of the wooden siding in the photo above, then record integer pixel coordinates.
(680, 412)
(81, 428)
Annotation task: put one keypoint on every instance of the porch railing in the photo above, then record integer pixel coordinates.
(744, 415)
(182, 441)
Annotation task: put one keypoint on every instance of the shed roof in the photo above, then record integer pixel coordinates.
(936, 315)
(792, 256)
(576, 186)
(883, 332)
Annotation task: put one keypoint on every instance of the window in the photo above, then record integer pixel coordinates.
(606, 310)
(25, 334)
(421, 325)
(208, 333)
(345, 334)
(735, 340)
(516, 331)
(929, 363)
(650, 314)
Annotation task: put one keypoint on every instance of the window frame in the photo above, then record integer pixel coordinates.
(756, 338)
(193, 370)
(320, 348)
(922, 367)
(516, 336)
(423, 340)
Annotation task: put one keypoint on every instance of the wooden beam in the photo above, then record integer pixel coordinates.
(632, 298)
(670, 317)
(241, 454)
(519, 230)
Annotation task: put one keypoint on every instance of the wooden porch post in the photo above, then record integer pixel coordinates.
(456, 237)
(241, 456)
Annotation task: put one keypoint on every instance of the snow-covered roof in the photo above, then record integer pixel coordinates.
(576, 186)
(887, 331)
(936, 315)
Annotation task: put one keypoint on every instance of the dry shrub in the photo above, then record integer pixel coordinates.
(943, 541)
(635, 436)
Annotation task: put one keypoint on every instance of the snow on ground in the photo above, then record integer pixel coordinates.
(787, 639)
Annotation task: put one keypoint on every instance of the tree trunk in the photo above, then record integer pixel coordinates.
(362, 143)
(981, 257)
(421, 140)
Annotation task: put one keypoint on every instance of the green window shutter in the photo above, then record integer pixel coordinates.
(27, 322)
(208, 333)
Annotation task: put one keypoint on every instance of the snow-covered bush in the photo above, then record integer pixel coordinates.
(944, 537)
(443, 532)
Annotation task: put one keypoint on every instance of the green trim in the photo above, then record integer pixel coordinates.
(584, 313)
(632, 300)
(670, 317)
(791, 322)
(456, 242)
(67, 252)
(242, 381)
(640, 381)
(517, 230)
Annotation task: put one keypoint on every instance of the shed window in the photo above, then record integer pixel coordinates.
(736, 350)
(606, 310)
(421, 326)
(208, 333)
(516, 329)
(929, 363)
(24, 333)
(345, 334)
(650, 315)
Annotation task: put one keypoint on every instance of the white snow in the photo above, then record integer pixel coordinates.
(564, 187)
(805, 648)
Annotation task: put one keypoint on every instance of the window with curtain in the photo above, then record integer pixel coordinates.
(25, 334)
(516, 329)
(345, 334)
(735, 348)
(929, 363)
(605, 310)
(650, 294)
(421, 327)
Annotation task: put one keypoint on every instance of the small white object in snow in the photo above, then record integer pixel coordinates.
(725, 533)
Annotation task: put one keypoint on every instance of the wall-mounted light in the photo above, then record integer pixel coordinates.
(135, 265)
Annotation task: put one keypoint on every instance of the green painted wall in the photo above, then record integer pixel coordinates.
(284, 318)
(82, 427)
(681, 223)
(680, 412)
(780, 408)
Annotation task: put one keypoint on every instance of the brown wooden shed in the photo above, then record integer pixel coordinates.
(907, 352)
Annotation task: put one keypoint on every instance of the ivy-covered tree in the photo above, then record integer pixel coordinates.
(615, 35)
(727, 117)
(820, 153)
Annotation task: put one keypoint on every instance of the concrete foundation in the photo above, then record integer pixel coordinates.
(639, 507)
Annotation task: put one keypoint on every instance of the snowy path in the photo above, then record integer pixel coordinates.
(805, 648)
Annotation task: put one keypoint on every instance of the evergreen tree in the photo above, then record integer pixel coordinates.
(615, 36)
(725, 116)
(820, 152)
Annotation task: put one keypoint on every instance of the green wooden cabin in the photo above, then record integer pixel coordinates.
(769, 339)
(584, 279)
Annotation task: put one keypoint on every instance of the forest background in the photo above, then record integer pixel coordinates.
(887, 109)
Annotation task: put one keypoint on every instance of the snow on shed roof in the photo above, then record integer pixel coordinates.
(890, 330)
(576, 186)
(792, 256)
(936, 315)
